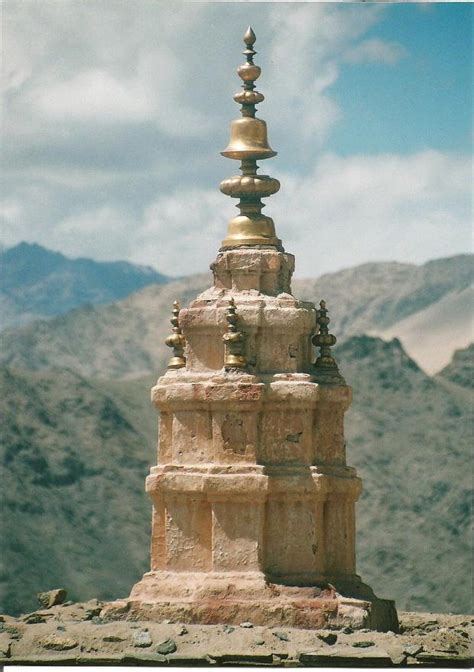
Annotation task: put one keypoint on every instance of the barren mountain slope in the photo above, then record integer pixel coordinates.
(433, 334)
(377, 295)
(460, 370)
(126, 338)
(74, 511)
(410, 438)
(119, 340)
(38, 283)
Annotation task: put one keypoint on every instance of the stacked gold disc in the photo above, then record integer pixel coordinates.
(249, 142)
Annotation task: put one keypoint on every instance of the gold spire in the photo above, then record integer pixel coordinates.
(177, 341)
(248, 142)
(234, 341)
(327, 371)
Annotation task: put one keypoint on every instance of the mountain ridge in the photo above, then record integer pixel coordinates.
(38, 283)
(366, 299)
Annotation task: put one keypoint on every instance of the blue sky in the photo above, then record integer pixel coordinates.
(426, 100)
(115, 114)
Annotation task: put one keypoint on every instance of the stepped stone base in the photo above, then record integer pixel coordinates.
(233, 598)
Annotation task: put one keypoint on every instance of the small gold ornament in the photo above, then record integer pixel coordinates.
(177, 341)
(326, 369)
(234, 341)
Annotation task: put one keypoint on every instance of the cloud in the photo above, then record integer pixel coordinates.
(346, 211)
(306, 46)
(94, 95)
(113, 110)
(375, 51)
(406, 208)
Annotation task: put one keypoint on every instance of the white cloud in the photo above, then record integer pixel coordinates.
(345, 211)
(376, 51)
(93, 95)
(361, 208)
(182, 232)
(111, 113)
(307, 41)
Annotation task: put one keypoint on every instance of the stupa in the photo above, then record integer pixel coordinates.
(253, 502)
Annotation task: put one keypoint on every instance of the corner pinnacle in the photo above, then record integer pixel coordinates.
(326, 369)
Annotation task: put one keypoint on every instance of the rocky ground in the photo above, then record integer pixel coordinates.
(75, 633)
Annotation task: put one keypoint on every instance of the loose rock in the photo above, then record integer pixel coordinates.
(89, 614)
(113, 638)
(142, 639)
(166, 647)
(363, 644)
(413, 649)
(6, 650)
(279, 634)
(328, 638)
(347, 630)
(228, 629)
(57, 643)
(13, 632)
(134, 657)
(259, 642)
(51, 597)
(182, 631)
(246, 624)
(31, 619)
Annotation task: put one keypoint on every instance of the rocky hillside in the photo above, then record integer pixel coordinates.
(378, 295)
(38, 283)
(120, 340)
(73, 459)
(410, 437)
(76, 452)
(125, 338)
(461, 368)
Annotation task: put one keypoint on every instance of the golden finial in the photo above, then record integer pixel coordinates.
(177, 341)
(234, 341)
(248, 142)
(327, 371)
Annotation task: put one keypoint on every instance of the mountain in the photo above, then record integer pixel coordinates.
(428, 307)
(74, 511)
(38, 283)
(431, 335)
(460, 370)
(126, 338)
(379, 295)
(76, 453)
(410, 438)
(120, 340)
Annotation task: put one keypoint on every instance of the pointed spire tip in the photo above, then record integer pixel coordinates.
(249, 37)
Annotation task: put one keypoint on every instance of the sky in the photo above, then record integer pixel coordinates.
(114, 114)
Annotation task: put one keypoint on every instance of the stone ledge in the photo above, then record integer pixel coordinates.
(306, 483)
(245, 392)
